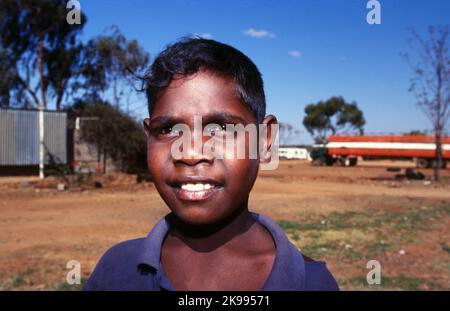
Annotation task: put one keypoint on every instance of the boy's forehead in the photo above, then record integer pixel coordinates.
(202, 94)
(205, 116)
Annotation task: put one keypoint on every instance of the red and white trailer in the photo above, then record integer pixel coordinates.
(347, 148)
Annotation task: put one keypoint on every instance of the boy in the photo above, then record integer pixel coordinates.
(210, 240)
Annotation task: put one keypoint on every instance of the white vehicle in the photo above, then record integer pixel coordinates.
(293, 153)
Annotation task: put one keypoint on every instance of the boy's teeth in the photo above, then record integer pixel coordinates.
(196, 187)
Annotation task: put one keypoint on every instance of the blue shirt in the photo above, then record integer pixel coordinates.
(136, 265)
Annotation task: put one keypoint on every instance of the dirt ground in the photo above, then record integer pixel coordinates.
(345, 216)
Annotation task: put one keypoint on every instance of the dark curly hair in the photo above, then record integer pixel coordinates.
(190, 55)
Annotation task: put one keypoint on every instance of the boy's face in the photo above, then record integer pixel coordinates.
(202, 189)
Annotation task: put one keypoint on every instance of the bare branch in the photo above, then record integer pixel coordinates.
(431, 81)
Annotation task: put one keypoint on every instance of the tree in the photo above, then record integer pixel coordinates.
(332, 116)
(111, 64)
(287, 133)
(431, 81)
(41, 48)
(9, 83)
(114, 133)
(62, 74)
(416, 133)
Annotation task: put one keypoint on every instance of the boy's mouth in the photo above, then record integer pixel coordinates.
(195, 189)
(196, 186)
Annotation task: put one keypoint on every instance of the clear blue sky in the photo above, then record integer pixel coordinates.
(333, 49)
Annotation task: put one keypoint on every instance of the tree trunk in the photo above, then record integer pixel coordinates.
(41, 70)
(104, 161)
(437, 126)
(58, 101)
(5, 99)
(99, 158)
(438, 158)
(116, 96)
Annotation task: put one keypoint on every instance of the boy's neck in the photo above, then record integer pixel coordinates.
(206, 238)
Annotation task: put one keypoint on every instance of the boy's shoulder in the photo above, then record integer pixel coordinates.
(130, 265)
(125, 250)
(318, 277)
(116, 269)
(293, 269)
(135, 264)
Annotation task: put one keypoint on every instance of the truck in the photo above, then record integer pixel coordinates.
(293, 153)
(346, 149)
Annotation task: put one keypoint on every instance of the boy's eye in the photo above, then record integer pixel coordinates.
(215, 129)
(167, 131)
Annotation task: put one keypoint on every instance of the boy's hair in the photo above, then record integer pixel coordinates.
(191, 55)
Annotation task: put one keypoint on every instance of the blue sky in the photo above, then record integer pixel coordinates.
(307, 50)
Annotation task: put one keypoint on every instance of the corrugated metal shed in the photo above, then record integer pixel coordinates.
(19, 137)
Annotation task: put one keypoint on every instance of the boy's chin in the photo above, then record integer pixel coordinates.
(200, 215)
(196, 216)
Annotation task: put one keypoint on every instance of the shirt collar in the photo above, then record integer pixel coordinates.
(151, 250)
(288, 270)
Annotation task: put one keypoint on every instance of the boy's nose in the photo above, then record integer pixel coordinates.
(194, 160)
(193, 155)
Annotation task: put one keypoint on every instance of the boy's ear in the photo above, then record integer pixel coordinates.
(270, 126)
(146, 126)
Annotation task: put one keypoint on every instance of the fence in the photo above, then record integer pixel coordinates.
(19, 137)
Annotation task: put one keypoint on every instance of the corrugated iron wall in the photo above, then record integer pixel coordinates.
(19, 137)
(55, 135)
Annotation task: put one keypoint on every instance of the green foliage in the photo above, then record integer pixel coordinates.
(446, 248)
(110, 63)
(400, 282)
(332, 116)
(40, 49)
(10, 88)
(64, 286)
(410, 219)
(324, 236)
(114, 132)
(416, 133)
(42, 60)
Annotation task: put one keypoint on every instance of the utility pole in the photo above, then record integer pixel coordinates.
(41, 143)
(78, 121)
